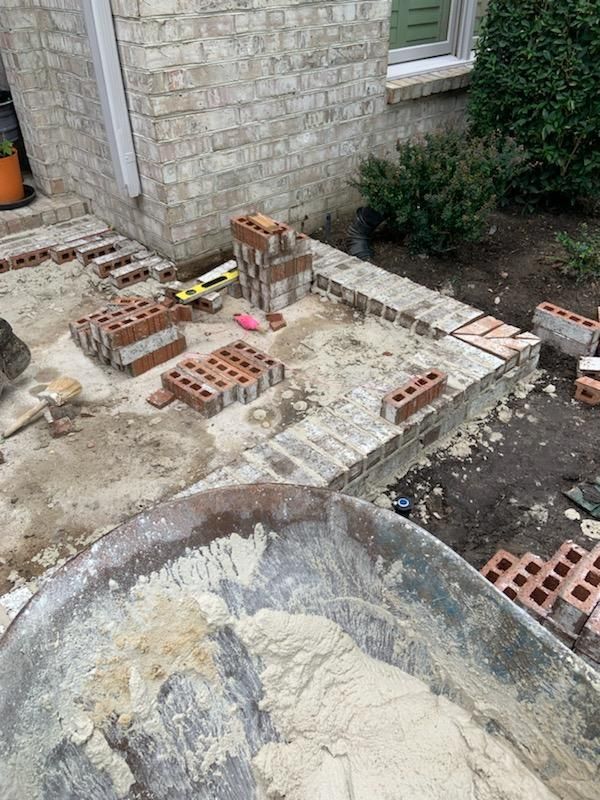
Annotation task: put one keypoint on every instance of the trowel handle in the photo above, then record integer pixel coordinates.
(25, 418)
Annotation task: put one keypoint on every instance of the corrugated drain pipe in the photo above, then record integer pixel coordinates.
(105, 55)
(360, 231)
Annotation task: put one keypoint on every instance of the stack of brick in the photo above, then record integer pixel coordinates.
(210, 383)
(132, 335)
(275, 263)
(563, 593)
(568, 332)
(34, 247)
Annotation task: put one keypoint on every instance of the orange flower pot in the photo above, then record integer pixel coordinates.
(11, 181)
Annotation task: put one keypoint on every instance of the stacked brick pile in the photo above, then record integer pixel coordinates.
(563, 593)
(275, 263)
(210, 383)
(131, 334)
(34, 247)
(123, 261)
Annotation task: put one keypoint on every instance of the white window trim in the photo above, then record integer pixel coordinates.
(456, 49)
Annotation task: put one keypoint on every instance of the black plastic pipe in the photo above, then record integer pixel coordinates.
(360, 231)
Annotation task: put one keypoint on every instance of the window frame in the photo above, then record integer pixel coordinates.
(457, 47)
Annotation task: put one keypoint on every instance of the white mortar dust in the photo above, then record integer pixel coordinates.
(358, 729)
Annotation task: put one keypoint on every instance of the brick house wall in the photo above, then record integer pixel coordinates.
(244, 104)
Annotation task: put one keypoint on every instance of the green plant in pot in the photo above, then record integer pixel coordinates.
(11, 180)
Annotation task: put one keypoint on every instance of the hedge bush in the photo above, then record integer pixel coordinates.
(537, 80)
(439, 189)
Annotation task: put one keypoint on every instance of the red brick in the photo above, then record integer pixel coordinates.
(103, 268)
(160, 398)
(578, 595)
(538, 595)
(199, 369)
(183, 313)
(587, 390)
(240, 362)
(248, 388)
(277, 324)
(515, 578)
(274, 368)
(401, 403)
(194, 393)
(61, 427)
(498, 565)
(29, 258)
(136, 274)
(564, 313)
(4, 265)
(159, 356)
(480, 327)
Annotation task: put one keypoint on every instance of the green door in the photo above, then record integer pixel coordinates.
(416, 22)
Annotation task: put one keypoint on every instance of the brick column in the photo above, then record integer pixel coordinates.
(33, 92)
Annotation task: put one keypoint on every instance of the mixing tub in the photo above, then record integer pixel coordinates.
(95, 697)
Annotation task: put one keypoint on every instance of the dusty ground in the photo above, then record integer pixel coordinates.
(499, 484)
(61, 494)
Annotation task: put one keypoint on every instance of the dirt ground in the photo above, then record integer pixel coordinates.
(500, 482)
(61, 494)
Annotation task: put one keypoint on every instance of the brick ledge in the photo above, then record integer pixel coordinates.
(413, 87)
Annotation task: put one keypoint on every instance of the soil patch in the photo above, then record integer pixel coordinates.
(499, 482)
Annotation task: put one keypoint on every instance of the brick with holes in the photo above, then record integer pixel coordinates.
(127, 275)
(401, 403)
(104, 265)
(569, 332)
(100, 247)
(578, 595)
(245, 364)
(587, 390)
(30, 258)
(247, 385)
(162, 271)
(199, 396)
(517, 576)
(199, 369)
(498, 565)
(538, 595)
(275, 369)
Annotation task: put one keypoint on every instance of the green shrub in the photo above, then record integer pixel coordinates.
(440, 188)
(537, 80)
(583, 253)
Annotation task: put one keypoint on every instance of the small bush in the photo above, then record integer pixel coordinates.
(583, 253)
(439, 190)
(536, 79)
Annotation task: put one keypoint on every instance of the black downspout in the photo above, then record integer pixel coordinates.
(360, 231)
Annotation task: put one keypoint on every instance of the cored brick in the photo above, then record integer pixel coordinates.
(30, 258)
(537, 596)
(587, 390)
(498, 565)
(199, 396)
(401, 403)
(274, 368)
(199, 369)
(247, 384)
